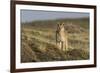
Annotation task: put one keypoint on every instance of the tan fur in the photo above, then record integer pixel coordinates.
(61, 37)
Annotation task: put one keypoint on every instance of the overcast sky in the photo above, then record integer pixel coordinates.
(33, 15)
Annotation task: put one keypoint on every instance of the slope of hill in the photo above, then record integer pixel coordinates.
(39, 45)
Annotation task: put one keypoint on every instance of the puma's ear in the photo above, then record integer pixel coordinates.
(63, 24)
(57, 23)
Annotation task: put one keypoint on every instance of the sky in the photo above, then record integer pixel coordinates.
(34, 15)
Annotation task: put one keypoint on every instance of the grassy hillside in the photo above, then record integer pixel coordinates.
(39, 45)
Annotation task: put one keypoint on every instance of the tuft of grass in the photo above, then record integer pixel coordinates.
(77, 54)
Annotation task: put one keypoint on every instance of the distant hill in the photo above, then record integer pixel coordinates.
(78, 21)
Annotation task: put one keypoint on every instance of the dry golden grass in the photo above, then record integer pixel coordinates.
(39, 44)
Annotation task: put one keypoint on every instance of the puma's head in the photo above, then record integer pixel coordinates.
(60, 26)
